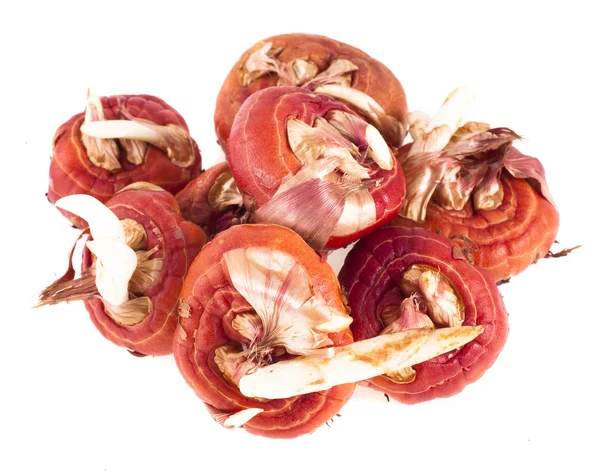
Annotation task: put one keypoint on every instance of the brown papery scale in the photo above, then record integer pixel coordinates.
(399, 280)
(470, 183)
(319, 64)
(306, 161)
(212, 200)
(257, 294)
(119, 140)
(133, 266)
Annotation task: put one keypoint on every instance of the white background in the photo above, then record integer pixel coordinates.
(71, 401)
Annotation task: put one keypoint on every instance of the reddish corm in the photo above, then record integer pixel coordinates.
(399, 279)
(306, 161)
(119, 140)
(320, 64)
(289, 293)
(212, 200)
(468, 181)
(143, 315)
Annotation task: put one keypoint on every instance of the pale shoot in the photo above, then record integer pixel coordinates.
(121, 268)
(387, 353)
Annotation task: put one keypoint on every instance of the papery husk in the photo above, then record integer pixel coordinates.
(351, 127)
(342, 205)
(300, 72)
(443, 305)
(336, 81)
(264, 61)
(458, 184)
(135, 234)
(342, 135)
(130, 312)
(517, 164)
(304, 70)
(279, 290)
(488, 192)
(392, 130)
(410, 318)
(530, 168)
(339, 72)
(367, 138)
(147, 271)
(465, 168)
(480, 143)
(316, 219)
(469, 129)
(102, 153)
(309, 205)
(309, 143)
(235, 363)
(172, 139)
(422, 174)
(224, 192)
(250, 326)
(434, 161)
(359, 212)
(135, 150)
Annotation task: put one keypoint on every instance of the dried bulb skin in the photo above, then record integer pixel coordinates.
(371, 278)
(72, 171)
(198, 207)
(262, 159)
(177, 242)
(210, 303)
(509, 238)
(320, 51)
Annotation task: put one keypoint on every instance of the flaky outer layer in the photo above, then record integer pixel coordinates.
(260, 155)
(211, 297)
(178, 242)
(510, 238)
(71, 172)
(193, 199)
(370, 278)
(372, 77)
